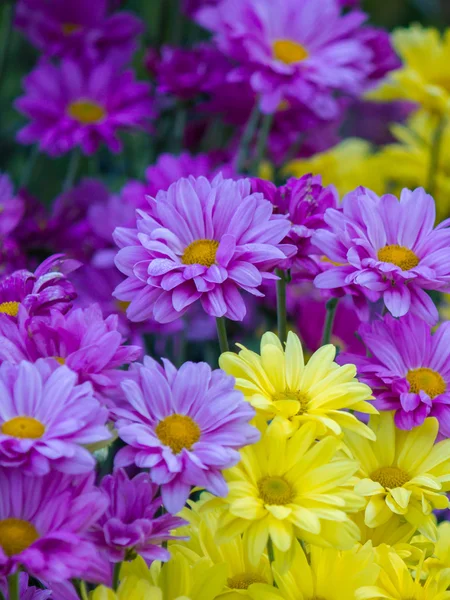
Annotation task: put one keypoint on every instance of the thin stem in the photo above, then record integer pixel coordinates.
(2, 596)
(270, 552)
(247, 136)
(7, 19)
(331, 313)
(435, 151)
(77, 586)
(222, 334)
(29, 166)
(262, 142)
(116, 575)
(13, 586)
(281, 306)
(294, 149)
(179, 126)
(74, 163)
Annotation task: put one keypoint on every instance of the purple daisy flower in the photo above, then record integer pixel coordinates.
(186, 426)
(44, 523)
(46, 418)
(130, 525)
(387, 249)
(408, 369)
(26, 591)
(11, 206)
(81, 104)
(47, 288)
(202, 241)
(75, 28)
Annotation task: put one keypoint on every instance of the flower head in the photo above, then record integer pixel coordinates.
(186, 426)
(98, 101)
(387, 249)
(202, 241)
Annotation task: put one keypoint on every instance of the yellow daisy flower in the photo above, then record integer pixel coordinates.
(330, 575)
(423, 76)
(402, 472)
(440, 558)
(131, 588)
(278, 383)
(287, 488)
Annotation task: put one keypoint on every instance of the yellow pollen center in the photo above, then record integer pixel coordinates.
(293, 395)
(243, 580)
(16, 536)
(69, 28)
(427, 380)
(200, 252)
(390, 477)
(122, 305)
(86, 111)
(10, 308)
(275, 490)
(24, 428)
(398, 255)
(178, 432)
(289, 52)
(60, 360)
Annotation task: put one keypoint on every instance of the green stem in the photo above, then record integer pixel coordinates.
(74, 163)
(7, 18)
(281, 306)
(262, 142)
(435, 151)
(270, 552)
(116, 576)
(222, 334)
(13, 586)
(331, 313)
(179, 126)
(246, 139)
(29, 166)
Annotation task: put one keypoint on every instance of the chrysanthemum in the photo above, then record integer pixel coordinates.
(130, 525)
(81, 104)
(186, 426)
(387, 249)
(74, 28)
(278, 383)
(402, 473)
(43, 524)
(202, 241)
(287, 489)
(408, 369)
(329, 573)
(46, 418)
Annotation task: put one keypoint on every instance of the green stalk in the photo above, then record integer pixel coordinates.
(247, 137)
(13, 586)
(222, 334)
(331, 313)
(281, 306)
(5, 35)
(74, 163)
(262, 142)
(435, 152)
(116, 576)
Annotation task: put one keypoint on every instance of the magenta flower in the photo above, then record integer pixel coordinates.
(44, 523)
(130, 525)
(79, 28)
(186, 426)
(46, 418)
(81, 104)
(47, 288)
(387, 249)
(408, 369)
(11, 206)
(202, 241)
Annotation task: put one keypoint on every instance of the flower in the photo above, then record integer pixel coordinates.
(130, 525)
(202, 241)
(46, 418)
(27, 591)
(330, 574)
(402, 473)
(185, 425)
(47, 288)
(408, 369)
(11, 206)
(81, 104)
(74, 28)
(43, 525)
(277, 383)
(387, 249)
(287, 488)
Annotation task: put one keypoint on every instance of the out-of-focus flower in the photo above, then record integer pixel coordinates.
(130, 525)
(387, 249)
(202, 241)
(81, 104)
(44, 522)
(185, 425)
(26, 591)
(78, 28)
(11, 212)
(376, 121)
(190, 7)
(46, 418)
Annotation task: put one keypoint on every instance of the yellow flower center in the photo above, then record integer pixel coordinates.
(398, 255)
(427, 380)
(60, 359)
(390, 477)
(293, 395)
(243, 580)
(10, 308)
(178, 432)
(23, 427)
(275, 490)
(16, 536)
(86, 111)
(69, 28)
(122, 305)
(200, 252)
(289, 52)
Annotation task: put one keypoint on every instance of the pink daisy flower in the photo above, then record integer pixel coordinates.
(387, 249)
(186, 426)
(202, 241)
(81, 104)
